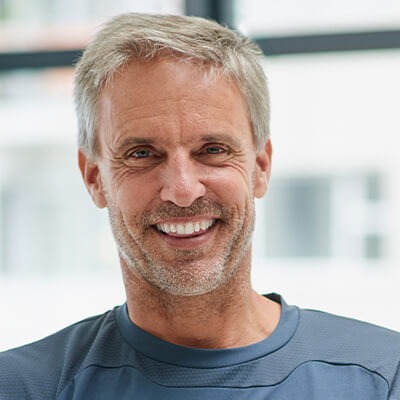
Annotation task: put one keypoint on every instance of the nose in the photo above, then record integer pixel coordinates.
(181, 183)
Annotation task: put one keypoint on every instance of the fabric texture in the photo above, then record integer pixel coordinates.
(311, 355)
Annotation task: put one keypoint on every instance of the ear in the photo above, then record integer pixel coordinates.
(92, 178)
(263, 170)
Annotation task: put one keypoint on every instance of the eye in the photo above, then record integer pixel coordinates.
(142, 157)
(214, 150)
(141, 153)
(214, 153)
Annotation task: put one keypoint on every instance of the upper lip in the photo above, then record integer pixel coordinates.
(185, 220)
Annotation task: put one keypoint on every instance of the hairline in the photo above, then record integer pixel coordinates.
(120, 42)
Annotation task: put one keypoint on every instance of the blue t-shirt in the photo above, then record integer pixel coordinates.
(311, 355)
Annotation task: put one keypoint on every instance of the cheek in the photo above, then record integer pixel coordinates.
(135, 195)
(230, 185)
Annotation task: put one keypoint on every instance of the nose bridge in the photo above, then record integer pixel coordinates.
(181, 182)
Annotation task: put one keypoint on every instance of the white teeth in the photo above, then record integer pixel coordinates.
(189, 228)
(186, 229)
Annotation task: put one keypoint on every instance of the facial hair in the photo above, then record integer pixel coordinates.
(184, 272)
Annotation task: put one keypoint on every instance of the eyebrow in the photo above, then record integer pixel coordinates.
(220, 137)
(134, 141)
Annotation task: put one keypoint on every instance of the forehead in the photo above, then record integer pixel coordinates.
(168, 99)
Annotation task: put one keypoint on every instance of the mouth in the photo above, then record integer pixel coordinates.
(185, 232)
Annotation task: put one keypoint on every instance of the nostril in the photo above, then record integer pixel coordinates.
(182, 194)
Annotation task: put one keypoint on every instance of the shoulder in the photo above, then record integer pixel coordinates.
(343, 340)
(348, 330)
(40, 369)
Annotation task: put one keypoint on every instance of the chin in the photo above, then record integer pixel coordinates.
(191, 278)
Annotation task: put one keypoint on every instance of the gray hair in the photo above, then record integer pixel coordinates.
(140, 37)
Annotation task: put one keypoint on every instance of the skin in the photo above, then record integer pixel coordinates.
(177, 147)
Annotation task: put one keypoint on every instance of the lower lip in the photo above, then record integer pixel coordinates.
(188, 242)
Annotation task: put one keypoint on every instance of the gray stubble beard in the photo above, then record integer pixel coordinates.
(192, 276)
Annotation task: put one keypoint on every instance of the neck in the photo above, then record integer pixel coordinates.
(233, 315)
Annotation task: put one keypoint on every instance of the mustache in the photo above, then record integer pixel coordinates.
(200, 206)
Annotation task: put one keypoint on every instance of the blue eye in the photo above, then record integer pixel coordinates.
(144, 153)
(214, 150)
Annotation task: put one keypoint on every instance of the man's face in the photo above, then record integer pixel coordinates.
(178, 172)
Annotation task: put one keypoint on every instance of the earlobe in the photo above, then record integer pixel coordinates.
(263, 170)
(92, 178)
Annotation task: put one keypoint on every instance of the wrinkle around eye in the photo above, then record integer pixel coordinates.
(139, 163)
(118, 174)
(120, 167)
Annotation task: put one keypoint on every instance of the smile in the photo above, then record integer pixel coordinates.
(185, 229)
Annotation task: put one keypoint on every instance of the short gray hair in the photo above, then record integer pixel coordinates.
(141, 37)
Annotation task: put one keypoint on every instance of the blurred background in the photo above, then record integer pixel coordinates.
(328, 231)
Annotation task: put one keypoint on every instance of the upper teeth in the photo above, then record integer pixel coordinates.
(185, 229)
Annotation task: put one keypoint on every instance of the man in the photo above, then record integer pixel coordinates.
(174, 141)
